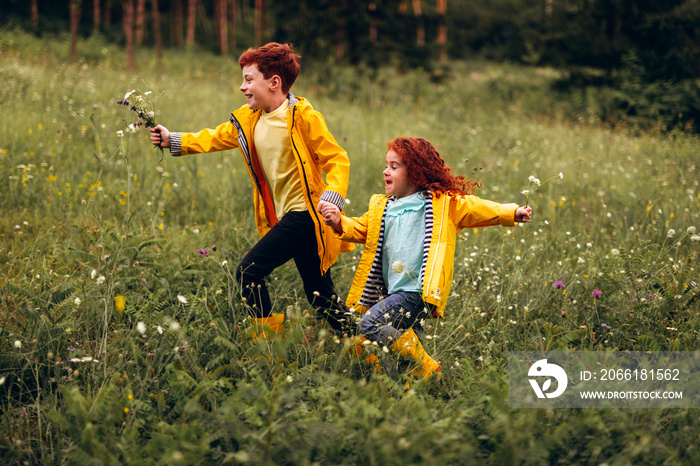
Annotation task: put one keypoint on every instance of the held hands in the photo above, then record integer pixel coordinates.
(331, 214)
(523, 214)
(160, 136)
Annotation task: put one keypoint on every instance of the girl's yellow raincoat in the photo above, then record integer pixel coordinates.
(446, 215)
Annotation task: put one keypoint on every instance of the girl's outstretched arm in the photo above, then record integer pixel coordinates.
(523, 214)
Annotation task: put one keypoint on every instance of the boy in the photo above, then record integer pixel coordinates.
(287, 147)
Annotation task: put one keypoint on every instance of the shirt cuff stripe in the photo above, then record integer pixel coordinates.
(175, 144)
(333, 198)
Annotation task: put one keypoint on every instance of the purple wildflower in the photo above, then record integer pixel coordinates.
(213, 248)
(200, 251)
(597, 294)
(651, 296)
(604, 325)
(559, 284)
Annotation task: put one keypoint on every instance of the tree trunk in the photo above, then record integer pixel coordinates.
(232, 16)
(74, 23)
(107, 15)
(442, 29)
(35, 12)
(220, 18)
(96, 14)
(420, 30)
(129, 31)
(140, 21)
(191, 17)
(156, 30)
(260, 33)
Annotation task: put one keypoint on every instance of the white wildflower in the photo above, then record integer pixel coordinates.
(182, 299)
(615, 252)
(671, 233)
(289, 379)
(141, 328)
(128, 94)
(77, 301)
(525, 192)
(2, 380)
(581, 260)
(224, 263)
(690, 230)
(397, 266)
(93, 274)
(120, 133)
(174, 326)
(695, 238)
(160, 330)
(100, 280)
(18, 344)
(561, 176)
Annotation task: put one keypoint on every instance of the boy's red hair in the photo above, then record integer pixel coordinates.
(426, 169)
(274, 59)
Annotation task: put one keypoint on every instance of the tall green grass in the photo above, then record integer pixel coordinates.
(91, 218)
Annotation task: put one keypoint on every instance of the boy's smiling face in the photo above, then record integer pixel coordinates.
(260, 93)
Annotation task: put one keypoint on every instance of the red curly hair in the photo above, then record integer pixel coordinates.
(274, 59)
(426, 169)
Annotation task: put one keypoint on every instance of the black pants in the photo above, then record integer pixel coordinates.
(293, 237)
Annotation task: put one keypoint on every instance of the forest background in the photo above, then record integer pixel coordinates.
(123, 338)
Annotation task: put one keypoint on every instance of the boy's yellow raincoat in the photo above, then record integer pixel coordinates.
(315, 151)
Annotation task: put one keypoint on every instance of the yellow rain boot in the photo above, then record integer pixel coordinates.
(268, 327)
(355, 346)
(408, 344)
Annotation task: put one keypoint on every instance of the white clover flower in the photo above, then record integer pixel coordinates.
(397, 266)
(18, 344)
(671, 233)
(77, 301)
(141, 328)
(182, 299)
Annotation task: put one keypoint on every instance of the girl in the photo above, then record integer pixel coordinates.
(405, 271)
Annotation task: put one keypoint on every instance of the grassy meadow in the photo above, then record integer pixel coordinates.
(120, 343)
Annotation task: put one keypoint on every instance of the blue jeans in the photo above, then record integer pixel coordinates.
(387, 320)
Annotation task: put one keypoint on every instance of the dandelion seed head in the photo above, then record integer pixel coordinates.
(397, 266)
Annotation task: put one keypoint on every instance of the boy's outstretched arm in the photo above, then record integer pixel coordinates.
(523, 214)
(160, 136)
